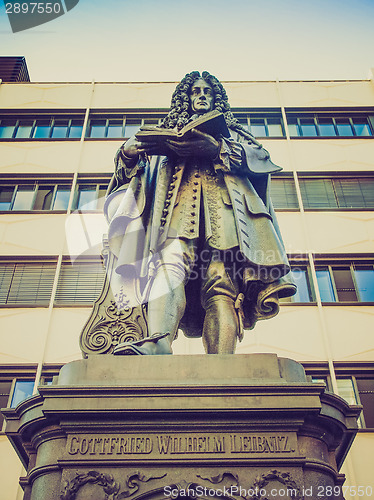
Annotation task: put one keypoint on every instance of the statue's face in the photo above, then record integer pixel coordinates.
(201, 97)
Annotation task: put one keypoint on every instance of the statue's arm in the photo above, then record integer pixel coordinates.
(129, 162)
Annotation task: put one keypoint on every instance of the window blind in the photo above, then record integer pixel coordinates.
(26, 283)
(79, 283)
(283, 193)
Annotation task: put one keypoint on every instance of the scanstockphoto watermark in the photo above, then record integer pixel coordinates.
(282, 491)
(27, 14)
(197, 491)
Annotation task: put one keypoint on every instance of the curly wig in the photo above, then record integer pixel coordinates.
(179, 113)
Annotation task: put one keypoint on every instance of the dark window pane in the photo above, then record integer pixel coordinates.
(366, 391)
(362, 127)
(326, 127)
(60, 129)
(101, 197)
(22, 390)
(24, 129)
(24, 198)
(97, 128)
(293, 127)
(42, 129)
(355, 193)
(367, 190)
(43, 198)
(243, 122)
(132, 126)
(6, 275)
(6, 195)
(62, 198)
(76, 129)
(87, 198)
(318, 193)
(258, 128)
(308, 127)
(7, 128)
(303, 294)
(151, 121)
(4, 397)
(344, 285)
(115, 128)
(283, 193)
(325, 287)
(344, 126)
(349, 193)
(346, 390)
(365, 283)
(275, 128)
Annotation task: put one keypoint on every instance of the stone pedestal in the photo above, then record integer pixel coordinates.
(153, 427)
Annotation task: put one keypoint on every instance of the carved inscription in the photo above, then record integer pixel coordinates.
(190, 444)
(119, 445)
(260, 444)
(161, 446)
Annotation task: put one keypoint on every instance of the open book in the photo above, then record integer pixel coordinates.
(212, 123)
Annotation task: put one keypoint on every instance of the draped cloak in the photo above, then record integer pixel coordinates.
(154, 199)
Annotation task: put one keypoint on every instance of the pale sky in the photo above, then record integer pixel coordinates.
(161, 40)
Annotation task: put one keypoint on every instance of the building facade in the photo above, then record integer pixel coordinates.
(57, 142)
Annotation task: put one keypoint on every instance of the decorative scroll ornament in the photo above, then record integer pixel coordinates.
(113, 328)
(106, 481)
(112, 319)
(133, 485)
(218, 479)
(284, 478)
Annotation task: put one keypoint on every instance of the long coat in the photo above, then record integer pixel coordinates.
(158, 198)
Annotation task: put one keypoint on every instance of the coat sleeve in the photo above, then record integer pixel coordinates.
(125, 170)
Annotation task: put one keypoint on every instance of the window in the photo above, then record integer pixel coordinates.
(26, 283)
(43, 127)
(5, 387)
(34, 195)
(90, 196)
(117, 126)
(300, 275)
(355, 384)
(337, 192)
(308, 127)
(80, 282)
(29, 284)
(344, 282)
(17, 383)
(283, 193)
(261, 125)
(325, 125)
(350, 282)
(23, 389)
(365, 388)
(359, 390)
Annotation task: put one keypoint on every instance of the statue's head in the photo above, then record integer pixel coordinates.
(195, 94)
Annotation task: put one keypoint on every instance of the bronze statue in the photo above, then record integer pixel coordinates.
(192, 225)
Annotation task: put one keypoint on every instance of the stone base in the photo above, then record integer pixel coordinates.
(153, 427)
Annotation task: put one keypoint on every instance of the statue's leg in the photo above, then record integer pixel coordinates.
(220, 330)
(221, 324)
(167, 299)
